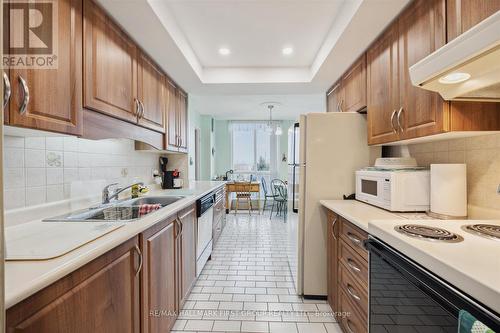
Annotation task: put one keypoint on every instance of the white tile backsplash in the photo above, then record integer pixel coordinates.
(46, 168)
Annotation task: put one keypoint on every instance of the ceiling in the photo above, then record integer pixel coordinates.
(253, 107)
(254, 31)
(184, 36)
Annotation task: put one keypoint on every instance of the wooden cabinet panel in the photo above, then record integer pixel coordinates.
(333, 98)
(55, 95)
(354, 237)
(332, 260)
(110, 68)
(151, 94)
(354, 263)
(354, 291)
(159, 297)
(464, 14)
(183, 122)
(382, 87)
(102, 296)
(172, 114)
(422, 30)
(187, 252)
(355, 322)
(354, 87)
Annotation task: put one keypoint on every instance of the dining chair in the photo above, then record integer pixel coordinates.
(274, 184)
(281, 199)
(270, 195)
(242, 190)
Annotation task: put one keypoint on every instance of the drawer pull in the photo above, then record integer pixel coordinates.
(352, 265)
(353, 238)
(348, 326)
(26, 94)
(351, 292)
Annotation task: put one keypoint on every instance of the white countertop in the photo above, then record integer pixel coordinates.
(24, 278)
(472, 265)
(358, 212)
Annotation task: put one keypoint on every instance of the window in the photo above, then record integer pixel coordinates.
(254, 147)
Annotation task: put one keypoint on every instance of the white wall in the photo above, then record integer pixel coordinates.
(47, 168)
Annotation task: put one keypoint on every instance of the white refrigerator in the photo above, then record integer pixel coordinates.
(332, 146)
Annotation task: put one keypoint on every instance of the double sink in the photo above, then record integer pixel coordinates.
(119, 211)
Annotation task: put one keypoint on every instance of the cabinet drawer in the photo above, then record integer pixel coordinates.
(354, 237)
(218, 211)
(354, 263)
(355, 292)
(216, 231)
(354, 322)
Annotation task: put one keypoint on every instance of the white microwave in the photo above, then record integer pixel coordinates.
(394, 190)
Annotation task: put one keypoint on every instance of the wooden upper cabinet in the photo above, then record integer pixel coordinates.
(183, 122)
(354, 87)
(422, 30)
(171, 137)
(334, 97)
(151, 94)
(186, 252)
(102, 296)
(464, 14)
(158, 297)
(55, 95)
(110, 68)
(383, 87)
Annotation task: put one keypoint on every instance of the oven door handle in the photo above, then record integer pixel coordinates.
(447, 296)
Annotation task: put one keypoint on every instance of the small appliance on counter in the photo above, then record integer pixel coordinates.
(448, 191)
(170, 178)
(395, 184)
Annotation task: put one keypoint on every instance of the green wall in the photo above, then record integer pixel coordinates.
(203, 123)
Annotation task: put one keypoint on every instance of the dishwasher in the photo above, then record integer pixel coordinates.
(205, 213)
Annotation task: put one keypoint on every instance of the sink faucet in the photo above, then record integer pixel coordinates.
(107, 196)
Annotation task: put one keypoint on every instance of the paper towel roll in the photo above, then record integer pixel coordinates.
(449, 190)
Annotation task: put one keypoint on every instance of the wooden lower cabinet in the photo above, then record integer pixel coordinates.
(102, 296)
(186, 252)
(158, 277)
(332, 262)
(347, 262)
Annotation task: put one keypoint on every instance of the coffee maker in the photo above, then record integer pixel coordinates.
(170, 179)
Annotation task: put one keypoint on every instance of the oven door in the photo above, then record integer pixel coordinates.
(405, 297)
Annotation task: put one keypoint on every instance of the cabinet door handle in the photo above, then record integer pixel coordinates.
(333, 228)
(351, 264)
(138, 250)
(392, 121)
(6, 89)
(136, 111)
(181, 226)
(353, 238)
(141, 114)
(351, 292)
(398, 118)
(26, 93)
(340, 105)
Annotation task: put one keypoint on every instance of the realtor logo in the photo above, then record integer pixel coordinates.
(30, 34)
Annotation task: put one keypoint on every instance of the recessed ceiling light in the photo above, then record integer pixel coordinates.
(456, 77)
(224, 51)
(287, 50)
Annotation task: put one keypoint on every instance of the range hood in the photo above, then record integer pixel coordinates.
(465, 69)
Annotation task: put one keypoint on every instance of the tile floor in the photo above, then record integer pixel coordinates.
(248, 287)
